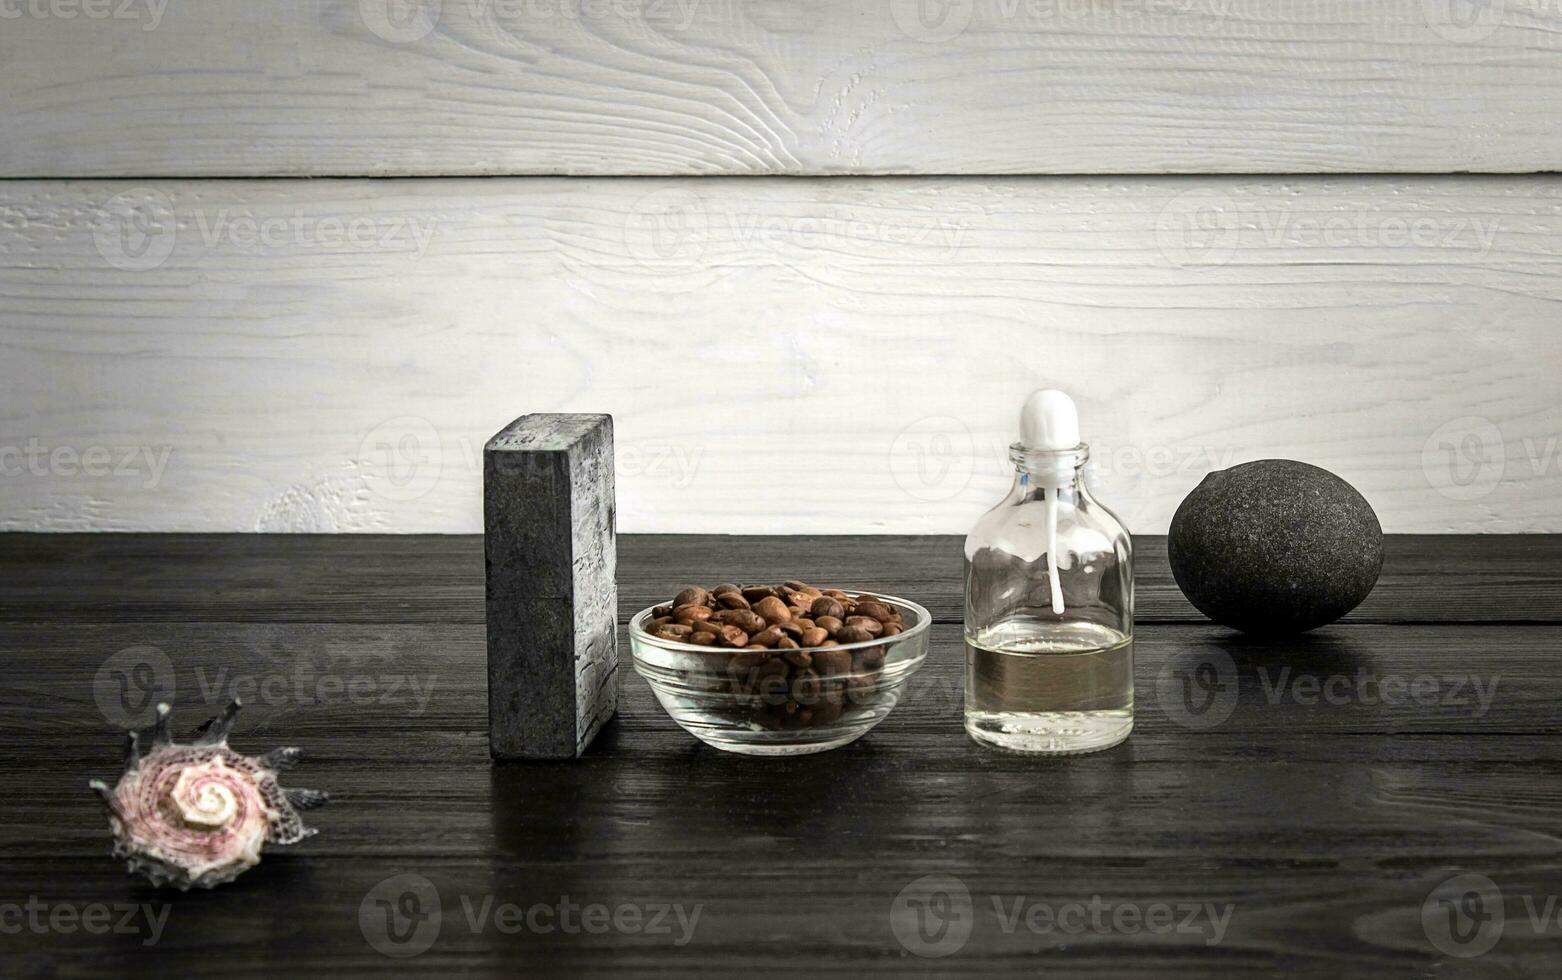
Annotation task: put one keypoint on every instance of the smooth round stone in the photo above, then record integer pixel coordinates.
(1275, 546)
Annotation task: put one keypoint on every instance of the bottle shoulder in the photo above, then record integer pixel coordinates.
(1020, 528)
(1107, 518)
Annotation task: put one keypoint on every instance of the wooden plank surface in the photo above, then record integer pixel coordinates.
(108, 578)
(144, 88)
(785, 356)
(1302, 831)
(301, 680)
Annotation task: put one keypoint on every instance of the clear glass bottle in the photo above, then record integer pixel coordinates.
(1049, 602)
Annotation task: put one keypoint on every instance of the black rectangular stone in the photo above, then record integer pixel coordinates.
(549, 522)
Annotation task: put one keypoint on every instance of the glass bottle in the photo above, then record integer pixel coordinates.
(1049, 602)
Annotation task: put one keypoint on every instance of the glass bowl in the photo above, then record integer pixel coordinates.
(764, 702)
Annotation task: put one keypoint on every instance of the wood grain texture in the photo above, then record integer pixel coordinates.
(419, 87)
(1323, 826)
(781, 356)
(297, 679)
(134, 578)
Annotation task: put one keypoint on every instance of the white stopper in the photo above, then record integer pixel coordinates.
(1049, 421)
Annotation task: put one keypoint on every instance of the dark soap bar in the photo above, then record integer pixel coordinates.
(549, 547)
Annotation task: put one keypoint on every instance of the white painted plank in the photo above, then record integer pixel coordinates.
(780, 355)
(600, 87)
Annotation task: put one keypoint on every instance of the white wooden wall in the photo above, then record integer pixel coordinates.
(817, 352)
(608, 87)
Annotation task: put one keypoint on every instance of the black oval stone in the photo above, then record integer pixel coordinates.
(1275, 546)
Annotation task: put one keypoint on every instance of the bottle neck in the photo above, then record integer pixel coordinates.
(1040, 472)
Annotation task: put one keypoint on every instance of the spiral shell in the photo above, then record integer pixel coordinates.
(198, 814)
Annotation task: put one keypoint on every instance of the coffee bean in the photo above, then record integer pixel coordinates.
(786, 643)
(732, 600)
(826, 606)
(805, 687)
(832, 662)
(867, 624)
(814, 637)
(689, 614)
(754, 593)
(732, 636)
(673, 631)
(703, 639)
(798, 658)
(749, 622)
(893, 629)
(661, 611)
(692, 596)
(773, 609)
(853, 634)
(876, 610)
(767, 637)
(830, 624)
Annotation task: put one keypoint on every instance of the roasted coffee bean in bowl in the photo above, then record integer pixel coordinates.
(778, 669)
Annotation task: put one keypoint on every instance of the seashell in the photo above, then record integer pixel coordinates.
(198, 814)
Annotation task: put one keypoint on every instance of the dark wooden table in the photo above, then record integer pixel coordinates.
(1282, 808)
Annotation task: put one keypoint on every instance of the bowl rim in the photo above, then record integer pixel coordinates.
(923, 624)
